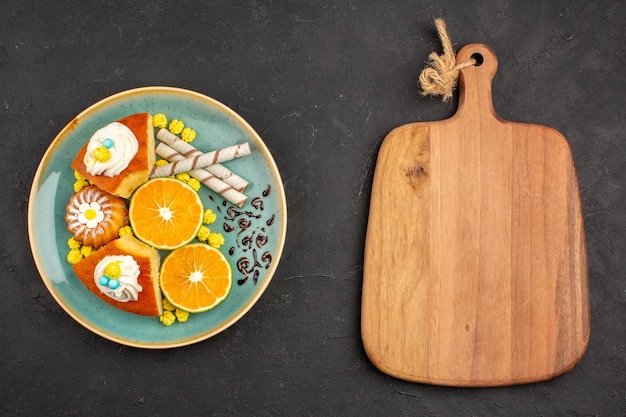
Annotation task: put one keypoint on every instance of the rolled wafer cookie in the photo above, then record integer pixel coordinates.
(202, 161)
(204, 176)
(188, 150)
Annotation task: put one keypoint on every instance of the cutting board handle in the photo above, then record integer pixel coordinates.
(475, 81)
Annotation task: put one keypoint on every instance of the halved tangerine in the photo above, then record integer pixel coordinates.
(165, 213)
(196, 277)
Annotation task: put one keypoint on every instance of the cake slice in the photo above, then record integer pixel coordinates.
(112, 261)
(137, 171)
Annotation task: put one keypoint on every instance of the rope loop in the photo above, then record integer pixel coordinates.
(440, 76)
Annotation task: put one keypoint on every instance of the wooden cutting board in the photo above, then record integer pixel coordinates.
(475, 270)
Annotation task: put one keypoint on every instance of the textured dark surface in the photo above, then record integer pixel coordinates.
(322, 82)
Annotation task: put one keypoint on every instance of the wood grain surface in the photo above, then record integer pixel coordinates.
(475, 269)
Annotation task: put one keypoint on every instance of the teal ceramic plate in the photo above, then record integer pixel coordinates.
(253, 246)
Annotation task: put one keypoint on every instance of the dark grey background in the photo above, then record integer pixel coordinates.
(323, 82)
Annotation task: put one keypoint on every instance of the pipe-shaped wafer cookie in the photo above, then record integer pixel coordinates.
(202, 161)
(205, 177)
(188, 150)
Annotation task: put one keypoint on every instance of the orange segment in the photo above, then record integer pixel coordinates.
(165, 213)
(196, 277)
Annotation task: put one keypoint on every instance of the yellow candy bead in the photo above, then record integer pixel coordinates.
(161, 162)
(73, 243)
(216, 240)
(86, 250)
(194, 183)
(167, 305)
(113, 270)
(176, 126)
(183, 176)
(209, 216)
(167, 318)
(74, 256)
(79, 184)
(102, 154)
(181, 315)
(203, 234)
(159, 120)
(126, 230)
(188, 135)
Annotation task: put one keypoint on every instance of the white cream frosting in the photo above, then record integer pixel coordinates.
(129, 288)
(124, 149)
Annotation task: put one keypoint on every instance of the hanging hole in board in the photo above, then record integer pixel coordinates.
(478, 57)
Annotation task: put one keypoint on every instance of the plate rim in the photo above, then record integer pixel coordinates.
(42, 166)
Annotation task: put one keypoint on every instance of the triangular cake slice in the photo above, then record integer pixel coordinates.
(139, 168)
(149, 299)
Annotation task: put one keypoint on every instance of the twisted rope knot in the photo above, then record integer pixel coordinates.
(439, 77)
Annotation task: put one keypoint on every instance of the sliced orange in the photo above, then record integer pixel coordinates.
(165, 213)
(196, 277)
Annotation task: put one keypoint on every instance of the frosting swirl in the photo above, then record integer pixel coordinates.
(126, 287)
(119, 145)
